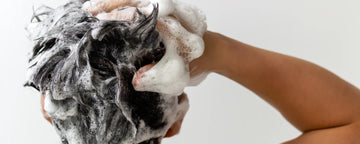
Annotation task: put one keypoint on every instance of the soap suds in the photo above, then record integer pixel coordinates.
(49, 106)
(166, 7)
(84, 63)
(181, 26)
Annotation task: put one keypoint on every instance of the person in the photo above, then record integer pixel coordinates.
(325, 108)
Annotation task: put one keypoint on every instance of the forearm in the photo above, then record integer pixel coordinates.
(308, 96)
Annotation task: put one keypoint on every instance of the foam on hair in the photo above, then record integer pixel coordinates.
(181, 26)
(84, 67)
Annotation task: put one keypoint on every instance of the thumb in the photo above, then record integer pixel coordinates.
(139, 74)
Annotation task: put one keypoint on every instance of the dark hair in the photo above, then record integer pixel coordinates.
(85, 66)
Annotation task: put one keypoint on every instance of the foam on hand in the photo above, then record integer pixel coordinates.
(181, 27)
(84, 62)
(182, 36)
(49, 106)
(167, 6)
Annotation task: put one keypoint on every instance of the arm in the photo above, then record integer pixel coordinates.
(318, 103)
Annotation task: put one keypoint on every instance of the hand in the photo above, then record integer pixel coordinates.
(175, 128)
(212, 60)
(109, 5)
(105, 5)
(46, 116)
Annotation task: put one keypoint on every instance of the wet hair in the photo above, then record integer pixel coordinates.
(85, 67)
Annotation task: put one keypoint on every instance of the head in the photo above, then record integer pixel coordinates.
(84, 67)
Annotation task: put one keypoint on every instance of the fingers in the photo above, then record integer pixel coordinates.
(127, 14)
(139, 74)
(172, 34)
(175, 128)
(105, 5)
(46, 116)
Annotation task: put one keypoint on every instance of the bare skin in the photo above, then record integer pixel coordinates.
(318, 103)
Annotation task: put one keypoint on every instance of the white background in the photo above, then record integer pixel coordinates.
(326, 32)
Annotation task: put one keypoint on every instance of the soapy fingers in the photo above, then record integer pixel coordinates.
(46, 116)
(140, 73)
(105, 5)
(181, 27)
(128, 14)
(175, 128)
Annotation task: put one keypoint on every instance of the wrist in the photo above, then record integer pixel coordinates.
(216, 56)
(217, 52)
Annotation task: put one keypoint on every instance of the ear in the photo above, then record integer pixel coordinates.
(145, 25)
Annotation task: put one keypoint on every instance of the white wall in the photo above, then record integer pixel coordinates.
(326, 32)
